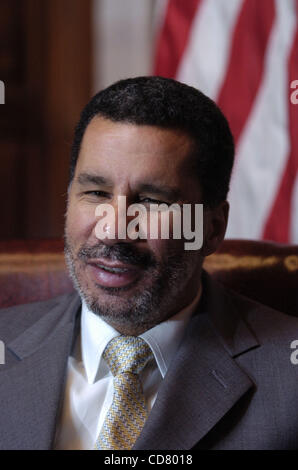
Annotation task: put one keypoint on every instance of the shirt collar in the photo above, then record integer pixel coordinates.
(163, 339)
(95, 335)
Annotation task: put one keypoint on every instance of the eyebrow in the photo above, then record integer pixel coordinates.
(171, 193)
(88, 178)
(165, 191)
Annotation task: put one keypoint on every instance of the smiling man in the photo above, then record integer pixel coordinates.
(149, 352)
(134, 285)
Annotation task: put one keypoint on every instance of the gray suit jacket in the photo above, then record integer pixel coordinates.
(231, 385)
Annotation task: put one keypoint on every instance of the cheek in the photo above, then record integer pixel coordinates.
(80, 221)
(170, 235)
(162, 249)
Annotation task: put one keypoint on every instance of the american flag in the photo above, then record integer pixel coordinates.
(244, 55)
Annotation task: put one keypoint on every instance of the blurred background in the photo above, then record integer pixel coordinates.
(55, 54)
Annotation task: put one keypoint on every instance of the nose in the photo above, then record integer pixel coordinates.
(111, 227)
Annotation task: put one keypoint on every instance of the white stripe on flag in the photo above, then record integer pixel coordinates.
(264, 144)
(159, 11)
(205, 59)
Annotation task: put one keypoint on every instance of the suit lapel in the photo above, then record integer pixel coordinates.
(35, 371)
(204, 381)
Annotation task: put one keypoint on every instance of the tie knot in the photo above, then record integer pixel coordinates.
(127, 354)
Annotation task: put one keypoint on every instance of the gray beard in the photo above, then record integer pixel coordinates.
(149, 305)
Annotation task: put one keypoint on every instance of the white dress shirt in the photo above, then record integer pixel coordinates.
(89, 383)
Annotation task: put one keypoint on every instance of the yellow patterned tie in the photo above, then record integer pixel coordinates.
(126, 357)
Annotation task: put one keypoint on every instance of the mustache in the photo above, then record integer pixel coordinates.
(122, 252)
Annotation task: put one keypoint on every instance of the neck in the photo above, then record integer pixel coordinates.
(136, 330)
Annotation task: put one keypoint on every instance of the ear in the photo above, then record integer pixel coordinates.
(215, 224)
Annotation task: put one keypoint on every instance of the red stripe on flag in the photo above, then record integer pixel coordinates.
(174, 36)
(246, 63)
(278, 224)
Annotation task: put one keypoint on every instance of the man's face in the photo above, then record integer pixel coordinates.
(132, 284)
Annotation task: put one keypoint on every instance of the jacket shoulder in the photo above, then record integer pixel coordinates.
(228, 308)
(16, 319)
(268, 322)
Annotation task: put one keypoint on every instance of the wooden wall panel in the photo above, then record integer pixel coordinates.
(45, 63)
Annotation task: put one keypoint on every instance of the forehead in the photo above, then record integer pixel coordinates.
(123, 150)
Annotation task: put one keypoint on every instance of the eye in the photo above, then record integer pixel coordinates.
(152, 201)
(96, 193)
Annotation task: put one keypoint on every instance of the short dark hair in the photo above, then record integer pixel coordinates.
(169, 104)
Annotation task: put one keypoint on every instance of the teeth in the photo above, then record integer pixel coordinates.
(112, 270)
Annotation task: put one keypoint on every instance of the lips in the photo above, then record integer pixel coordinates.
(112, 273)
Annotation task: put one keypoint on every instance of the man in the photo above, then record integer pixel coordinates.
(149, 353)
